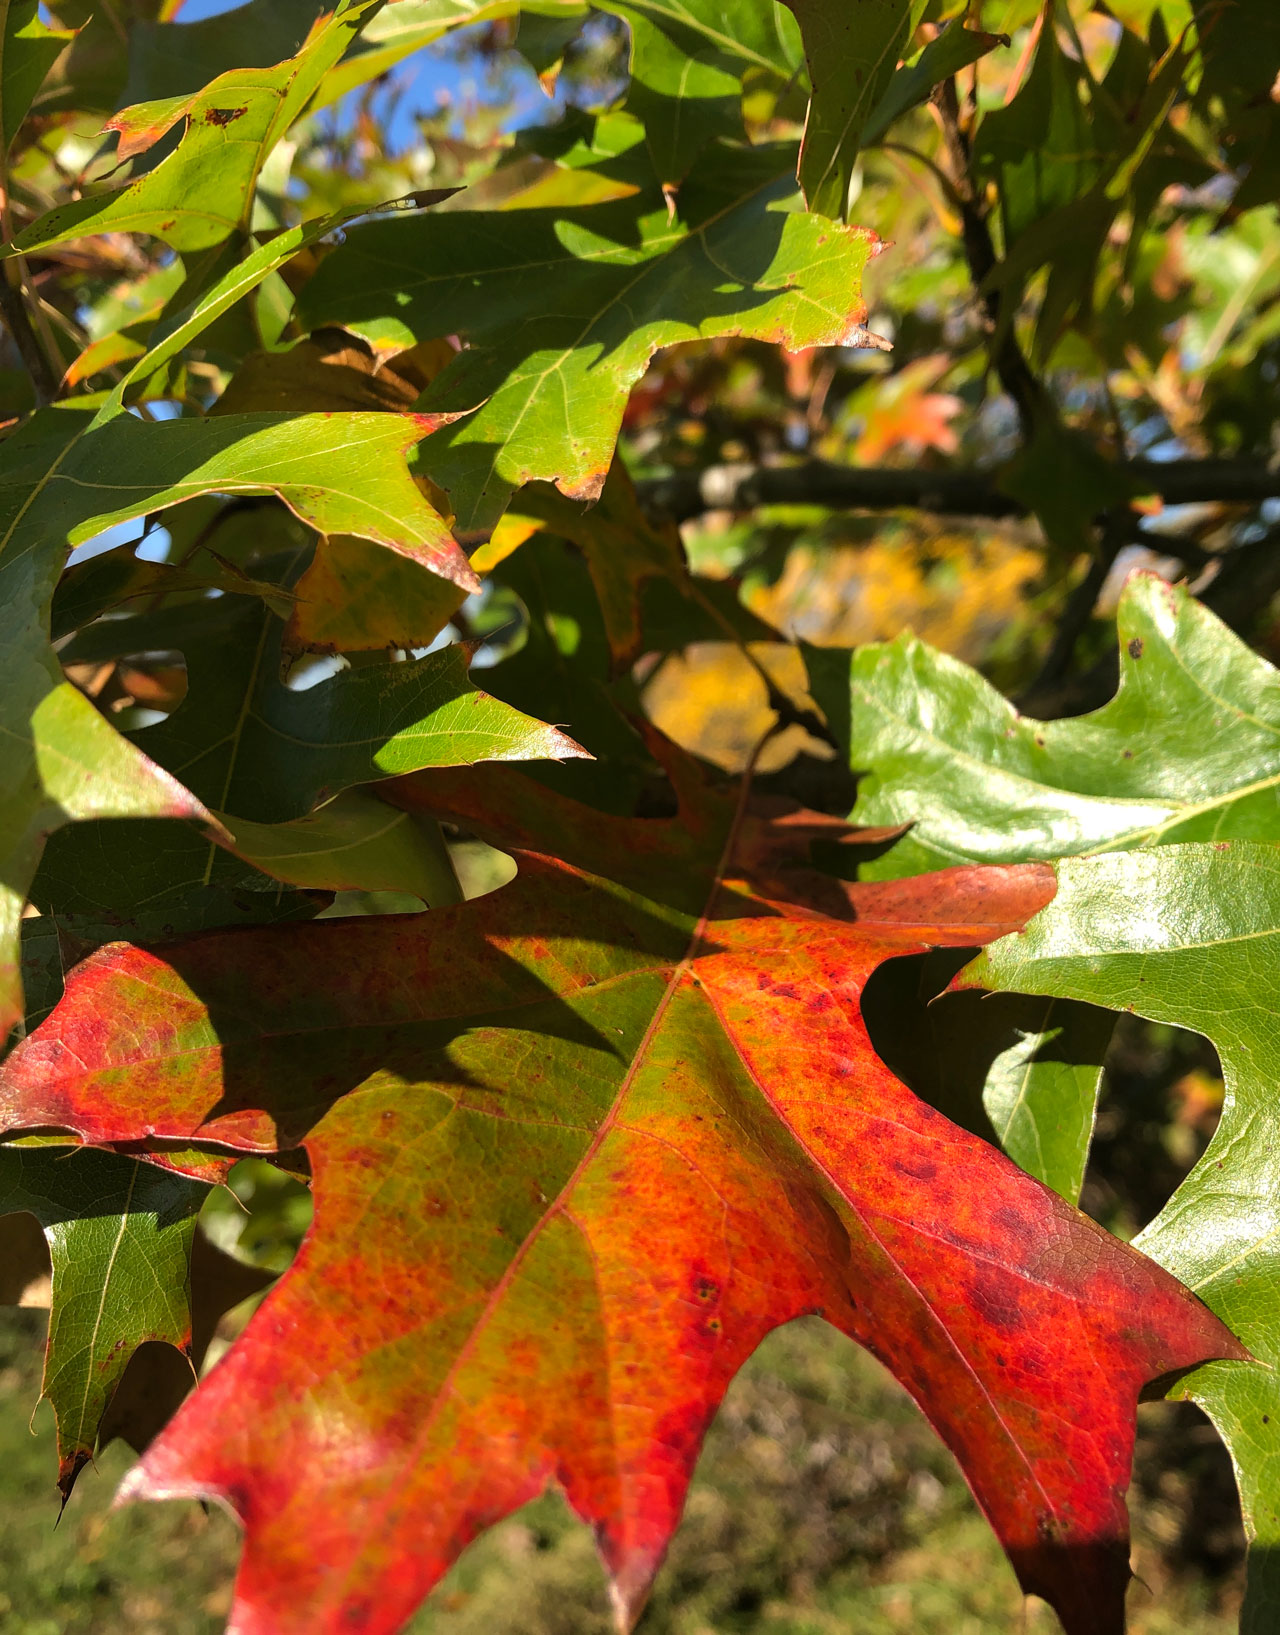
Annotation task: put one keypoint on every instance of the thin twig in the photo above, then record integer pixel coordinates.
(1014, 372)
(14, 287)
(17, 320)
(1119, 529)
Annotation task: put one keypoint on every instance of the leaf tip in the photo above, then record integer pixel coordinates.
(866, 339)
(560, 747)
(626, 1605)
(426, 423)
(69, 1467)
(588, 487)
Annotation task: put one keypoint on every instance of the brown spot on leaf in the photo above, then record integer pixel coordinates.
(1135, 648)
(223, 116)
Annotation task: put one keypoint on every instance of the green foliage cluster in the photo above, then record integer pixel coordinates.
(401, 434)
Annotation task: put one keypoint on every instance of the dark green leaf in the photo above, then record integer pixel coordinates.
(852, 48)
(119, 1234)
(955, 48)
(28, 50)
(255, 748)
(62, 482)
(552, 384)
(687, 63)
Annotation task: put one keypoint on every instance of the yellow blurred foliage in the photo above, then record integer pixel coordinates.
(959, 592)
(712, 699)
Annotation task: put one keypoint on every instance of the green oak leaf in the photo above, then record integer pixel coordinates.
(180, 323)
(741, 34)
(852, 48)
(174, 57)
(252, 747)
(945, 55)
(1188, 749)
(203, 191)
(90, 588)
(62, 761)
(1190, 935)
(150, 883)
(90, 75)
(119, 1233)
(543, 40)
(61, 482)
(28, 50)
(625, 551)
(590, 612)
(1043, 146)
(687, 62)
(102, 881)
(551, 375)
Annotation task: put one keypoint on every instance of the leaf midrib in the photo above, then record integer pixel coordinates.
(840, 1192)
(386, 1509)
(676, 13)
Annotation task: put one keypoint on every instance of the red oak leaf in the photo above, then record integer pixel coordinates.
(577, 1147)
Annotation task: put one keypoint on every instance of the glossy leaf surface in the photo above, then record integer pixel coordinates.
(1189, 749)
(1190, 935)
(601, 1131)
(548, 388)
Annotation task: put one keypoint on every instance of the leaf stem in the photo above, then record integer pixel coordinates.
(13, 309)
(1015, 374)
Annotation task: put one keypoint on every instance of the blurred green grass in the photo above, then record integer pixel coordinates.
(823, 1503)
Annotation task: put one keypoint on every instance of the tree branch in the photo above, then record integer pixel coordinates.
(945, 493)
